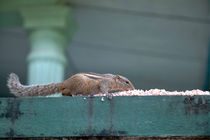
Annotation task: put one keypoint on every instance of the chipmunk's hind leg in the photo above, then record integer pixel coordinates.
(66, 92)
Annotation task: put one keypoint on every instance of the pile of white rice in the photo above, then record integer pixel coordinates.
(158, 92)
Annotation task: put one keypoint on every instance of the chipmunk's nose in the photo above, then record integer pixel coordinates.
(132, 87)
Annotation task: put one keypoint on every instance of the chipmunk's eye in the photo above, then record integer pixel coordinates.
(127, 82)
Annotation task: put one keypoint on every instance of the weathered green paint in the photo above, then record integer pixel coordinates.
(84, 116)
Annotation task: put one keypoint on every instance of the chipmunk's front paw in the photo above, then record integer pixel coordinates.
(109, 96)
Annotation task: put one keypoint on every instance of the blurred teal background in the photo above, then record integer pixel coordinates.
(155, 44)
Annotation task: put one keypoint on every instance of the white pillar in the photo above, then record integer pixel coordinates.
(46, 60)
(50, 28)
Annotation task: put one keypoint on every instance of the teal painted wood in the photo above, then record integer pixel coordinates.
(130, 116)
(10, 19)
(141, 43)
(207, 86)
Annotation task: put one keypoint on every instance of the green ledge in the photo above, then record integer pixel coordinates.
(121, 116)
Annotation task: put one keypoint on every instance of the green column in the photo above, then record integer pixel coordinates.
(50, 28)
(46, 60)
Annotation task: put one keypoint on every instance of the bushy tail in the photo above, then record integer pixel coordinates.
(20, 90)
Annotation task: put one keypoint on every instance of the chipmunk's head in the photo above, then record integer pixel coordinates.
(123, 83)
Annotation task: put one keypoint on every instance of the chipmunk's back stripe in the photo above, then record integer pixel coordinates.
(99, 75)
(94, 74)
(95, 77)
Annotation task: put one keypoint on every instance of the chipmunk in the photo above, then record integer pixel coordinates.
(78, 84)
